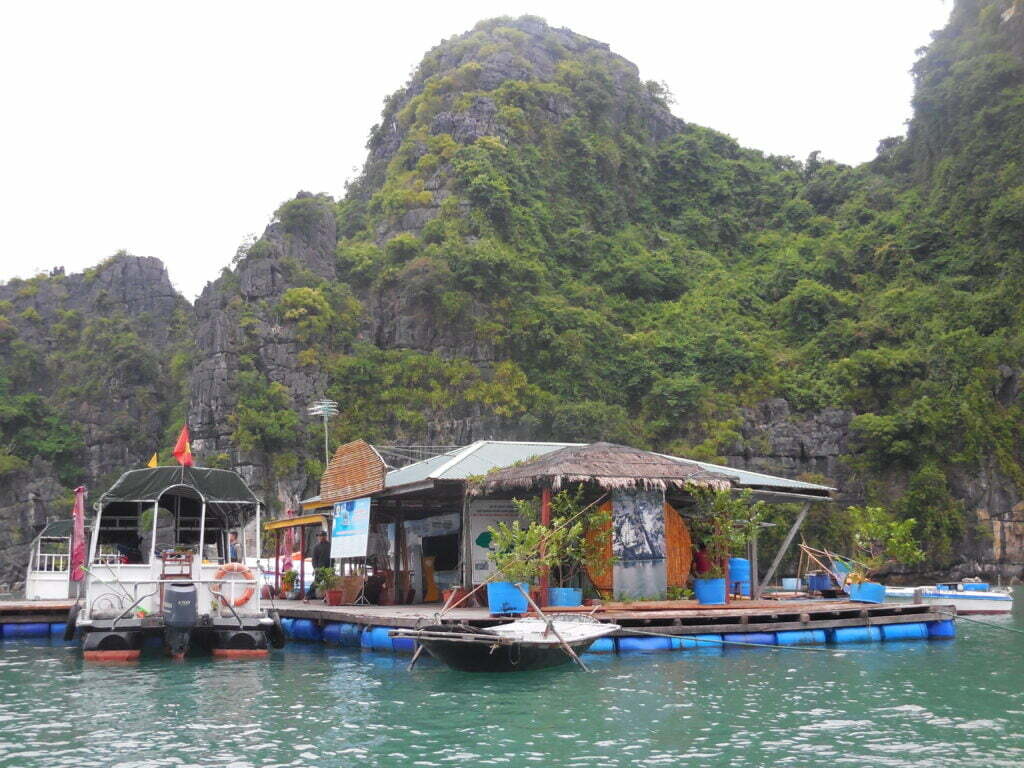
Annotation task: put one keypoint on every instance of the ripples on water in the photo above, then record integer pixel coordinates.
(904, 704)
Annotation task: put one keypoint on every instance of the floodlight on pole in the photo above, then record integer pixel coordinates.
(325, 408)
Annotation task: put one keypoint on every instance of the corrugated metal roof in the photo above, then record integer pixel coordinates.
(475, 459)
(758, 479)
(484, 455)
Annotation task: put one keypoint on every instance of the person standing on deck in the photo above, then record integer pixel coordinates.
(232, 547)
(321, 558)
(701, 563)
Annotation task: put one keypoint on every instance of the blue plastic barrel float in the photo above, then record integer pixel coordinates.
(916, 630)
(57, 630)
(644, 643)
(602, 645)
(26, 630)
(801, 637)
(754, 638)
(287, 625)
(306, 629)
(854, 635)
(698, 642)
(366, 639)
(739, 571)
(941, 630)
(380, 640)
(343, 634)
(332, 633)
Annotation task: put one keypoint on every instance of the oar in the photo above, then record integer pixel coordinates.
(419, 646)
(551, 626)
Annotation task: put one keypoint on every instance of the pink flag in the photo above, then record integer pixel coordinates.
(78, 535)
(289, 545)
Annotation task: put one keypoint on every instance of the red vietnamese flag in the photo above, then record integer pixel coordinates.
(182, 450)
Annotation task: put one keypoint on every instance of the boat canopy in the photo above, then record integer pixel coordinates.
(148, 485)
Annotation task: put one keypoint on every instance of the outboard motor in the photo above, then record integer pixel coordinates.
(181, 614)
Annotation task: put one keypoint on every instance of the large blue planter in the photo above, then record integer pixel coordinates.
(709, 591)
(867, 592)
(565, 596)
(503, 598)
(739, 574)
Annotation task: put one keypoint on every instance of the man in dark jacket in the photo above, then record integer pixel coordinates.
(321, 558)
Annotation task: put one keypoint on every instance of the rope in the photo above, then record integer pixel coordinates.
(958, 617)
(631, 630)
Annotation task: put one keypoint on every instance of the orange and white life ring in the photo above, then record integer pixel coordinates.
(249, 591)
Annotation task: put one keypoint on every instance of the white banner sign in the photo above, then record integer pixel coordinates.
(351, 528)
(484, 513)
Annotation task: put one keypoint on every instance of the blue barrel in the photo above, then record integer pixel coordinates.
(917, 630)
(287, 625)
(565, 596)
(602, 645)
(503, 598)
(332, 633)
(306, 629)
(26, 630)
(975, 586)
(739, 571)
(698, 642)
(348, 635)
(757, 638)
(855, 635)
(57, 630)
(380, 640)
(940, 630)
(801, 637)
(403, 644)
(366, 639)
(627, 644)
(709, 591)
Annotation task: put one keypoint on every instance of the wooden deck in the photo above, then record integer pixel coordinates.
(682, 618)
(34, 611)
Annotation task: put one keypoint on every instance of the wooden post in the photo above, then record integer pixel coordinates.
(277, 563)
(545, 519)
(755, 584)
(786, 542)
(302, 561)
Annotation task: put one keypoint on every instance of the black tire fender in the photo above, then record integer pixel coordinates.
(72, 622)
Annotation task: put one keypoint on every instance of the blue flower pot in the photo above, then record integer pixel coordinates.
(565, 596)
(866, 592)
(503, 598)
(709, 591)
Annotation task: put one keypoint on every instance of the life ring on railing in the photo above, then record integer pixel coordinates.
(250, 590)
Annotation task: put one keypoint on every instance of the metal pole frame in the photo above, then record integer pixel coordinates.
(785, 545)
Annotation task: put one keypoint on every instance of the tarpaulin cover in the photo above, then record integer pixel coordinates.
(147, 484)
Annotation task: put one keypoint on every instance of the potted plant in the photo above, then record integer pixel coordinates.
(519, 556)
(879, 539)
(725, 521)
(288, 583)
(328, 583)
(576, 540)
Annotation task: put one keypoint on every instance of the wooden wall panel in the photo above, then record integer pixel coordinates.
(355, 470)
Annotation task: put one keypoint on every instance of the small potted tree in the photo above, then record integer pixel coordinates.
(288, 583)
(725, 522)
(328, 583)
(879, 539)
(577, 539)
(519, 555)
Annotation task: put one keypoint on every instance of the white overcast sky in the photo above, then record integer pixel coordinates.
(174, 129)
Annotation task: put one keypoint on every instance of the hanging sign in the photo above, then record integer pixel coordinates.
(484, 513)
(350, 529)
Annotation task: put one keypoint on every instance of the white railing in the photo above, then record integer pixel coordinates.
(52, 562)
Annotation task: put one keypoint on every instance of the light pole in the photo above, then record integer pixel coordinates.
(325, 408)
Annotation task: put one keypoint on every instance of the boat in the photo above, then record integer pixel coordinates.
(968, 596)
(519, 646)
(157, 568)
(48, 576)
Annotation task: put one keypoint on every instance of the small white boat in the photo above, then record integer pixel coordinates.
(967, 596)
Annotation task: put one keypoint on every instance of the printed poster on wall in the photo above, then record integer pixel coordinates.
(484, 513)
(350, 530)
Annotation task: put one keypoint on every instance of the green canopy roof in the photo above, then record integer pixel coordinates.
(214, 485)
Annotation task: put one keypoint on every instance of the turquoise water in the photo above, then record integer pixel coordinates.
(922, 703)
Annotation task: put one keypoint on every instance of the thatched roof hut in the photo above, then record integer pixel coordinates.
(607, 465)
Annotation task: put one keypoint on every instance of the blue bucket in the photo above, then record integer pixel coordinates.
(866, 592)
(709, 591)
(565, 596)
(917, 630)
(739, 573)
(504, 598)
